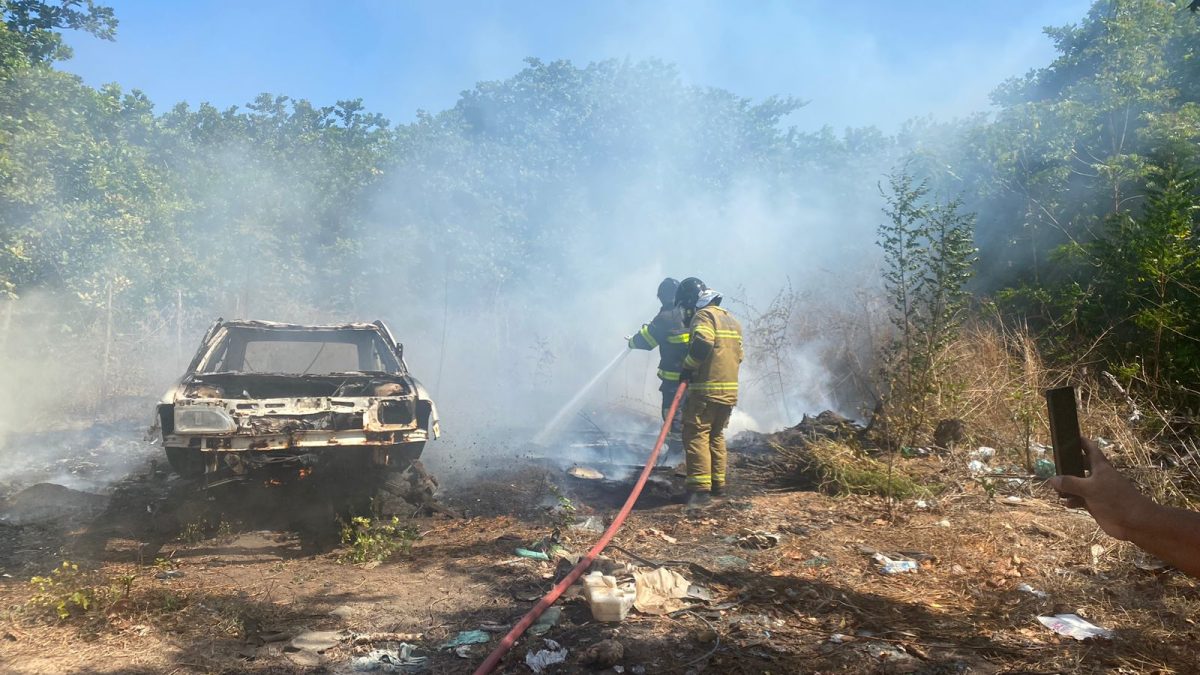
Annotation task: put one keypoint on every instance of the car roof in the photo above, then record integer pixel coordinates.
(275, 325)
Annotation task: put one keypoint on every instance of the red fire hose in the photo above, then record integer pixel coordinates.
(526, 621)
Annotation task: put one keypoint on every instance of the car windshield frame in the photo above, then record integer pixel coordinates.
(229, 346)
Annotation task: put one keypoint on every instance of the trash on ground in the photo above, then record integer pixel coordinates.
(1013, 499)
(463, 651)
(533, 555)
(608, 600)
(1026, 588)
(603, 654)
(1072, 625)
(660, 591)
(817, 562)
(546, 621)
(372, 638)
(1044, 468)
(169, 574)
(398, 660)
(466, 637)
(589, 524)
(889, 566)
(758, 539)
(317, 640)
(585, 473)
(554, 653)
(976, 466)
(731, 561)
(701, 593)
(983, 453)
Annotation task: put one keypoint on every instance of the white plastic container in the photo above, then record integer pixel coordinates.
(609, 602)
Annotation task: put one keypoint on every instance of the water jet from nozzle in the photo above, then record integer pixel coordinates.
(555, 424)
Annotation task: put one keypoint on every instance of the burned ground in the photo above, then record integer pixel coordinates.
(211, 582)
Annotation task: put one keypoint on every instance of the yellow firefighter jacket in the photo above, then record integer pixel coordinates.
(714, 355)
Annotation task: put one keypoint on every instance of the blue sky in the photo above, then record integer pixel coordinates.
(857, 62)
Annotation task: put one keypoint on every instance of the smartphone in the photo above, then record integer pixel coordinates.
(1064, 432)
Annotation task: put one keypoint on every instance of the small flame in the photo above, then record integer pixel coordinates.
(304, 473)
(272, 482)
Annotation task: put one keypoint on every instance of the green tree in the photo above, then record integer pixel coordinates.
(928, 259)
(1147, 279)
(33, 26)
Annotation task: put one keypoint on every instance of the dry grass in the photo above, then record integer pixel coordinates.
(837, 468)
(997, 388)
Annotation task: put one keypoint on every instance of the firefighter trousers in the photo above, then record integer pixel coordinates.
(674, 438)
(704, 425)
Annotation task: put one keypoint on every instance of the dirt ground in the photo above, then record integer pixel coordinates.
(222, 581)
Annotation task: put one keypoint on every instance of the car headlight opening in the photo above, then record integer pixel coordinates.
(207, 420)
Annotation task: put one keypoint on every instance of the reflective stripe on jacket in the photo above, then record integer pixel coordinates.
(714, 377)
(668, 332)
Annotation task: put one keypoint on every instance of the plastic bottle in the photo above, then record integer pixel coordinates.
(609, 602)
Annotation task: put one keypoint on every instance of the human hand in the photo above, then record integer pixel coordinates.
(1112, 499)
(685, 375)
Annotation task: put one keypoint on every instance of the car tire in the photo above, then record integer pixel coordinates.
(187, 462)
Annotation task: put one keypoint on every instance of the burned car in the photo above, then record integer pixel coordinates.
(261, 395)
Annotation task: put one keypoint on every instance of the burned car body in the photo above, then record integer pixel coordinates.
(261, 394)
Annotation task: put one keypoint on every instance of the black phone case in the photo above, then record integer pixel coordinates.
(1064, 432)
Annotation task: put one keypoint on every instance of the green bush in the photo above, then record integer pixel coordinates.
(375, 540)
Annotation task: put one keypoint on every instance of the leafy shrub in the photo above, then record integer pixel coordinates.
(375, 540)
(67, 591)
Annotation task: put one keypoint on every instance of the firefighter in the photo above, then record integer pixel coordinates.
(711, 370)
(669, 333)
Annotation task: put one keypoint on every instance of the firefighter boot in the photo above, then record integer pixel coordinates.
(699, 500)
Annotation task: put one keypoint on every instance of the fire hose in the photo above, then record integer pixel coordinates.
(549, 599)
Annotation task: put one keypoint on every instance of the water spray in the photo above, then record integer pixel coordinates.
(572, 406)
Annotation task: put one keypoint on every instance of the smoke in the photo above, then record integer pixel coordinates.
(502, 355)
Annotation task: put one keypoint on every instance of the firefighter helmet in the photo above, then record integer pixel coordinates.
(666, 291)
(689, 292)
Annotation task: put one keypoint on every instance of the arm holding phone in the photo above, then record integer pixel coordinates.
(1171, 534)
